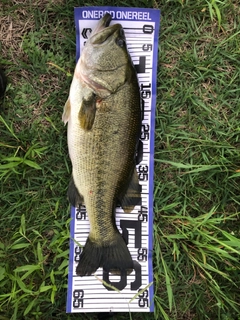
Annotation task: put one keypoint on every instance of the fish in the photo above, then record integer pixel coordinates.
(3, 83)
(103, 114)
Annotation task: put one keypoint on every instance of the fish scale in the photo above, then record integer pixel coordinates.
(103, 184)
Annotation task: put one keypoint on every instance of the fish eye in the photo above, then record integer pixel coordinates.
(120, 42)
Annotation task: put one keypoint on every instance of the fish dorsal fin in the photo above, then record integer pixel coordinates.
(87, 112)
(133, 195)
(66, 111)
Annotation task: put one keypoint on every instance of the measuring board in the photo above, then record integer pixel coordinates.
(102, 291)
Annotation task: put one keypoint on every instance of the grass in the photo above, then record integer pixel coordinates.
(197, 160)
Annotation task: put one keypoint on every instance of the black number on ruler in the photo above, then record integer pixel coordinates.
(137, 226)
(142, 254)
(147, 47)
(143, 214)
(81, 213)
(121, 284)
(148, 28)
(138, 276)
(78, 298)
(145, 132)
(77, 251)
(141, 67)
(143, 173)
(143, 299)
(145, 86)
(145, 94)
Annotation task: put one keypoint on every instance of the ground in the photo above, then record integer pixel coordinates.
(197, 159)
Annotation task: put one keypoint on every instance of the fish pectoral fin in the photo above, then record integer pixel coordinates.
(66, 111)
(75, 198)
(133, 195)
(87, 112)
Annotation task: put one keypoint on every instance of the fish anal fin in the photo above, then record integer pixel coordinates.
(74, 197)
(66, 111)
(87, 112)
(133, 195)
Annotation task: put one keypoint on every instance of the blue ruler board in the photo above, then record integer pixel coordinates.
(104, 292)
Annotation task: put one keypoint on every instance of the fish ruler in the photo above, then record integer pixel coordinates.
(104, 292)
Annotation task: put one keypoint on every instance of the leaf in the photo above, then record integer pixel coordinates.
(140, 292)
(63, 265)
(63, 254)
(2, 273)
(14, 316)
(107, 284)
(39, 253)
(59, 68)
(32, 164)
(235, 241)
(20, 246)
(52, 277)
(9, 129)
(45, 288)
(9, 165)
(28, 267)
(29, 307)
(10, 159)
(218, 13)
(168, 284)
(164, 313)
(210, 9)
(22, 285)
(192, 168)
(236, 175)
(54, 290)
(22, 229)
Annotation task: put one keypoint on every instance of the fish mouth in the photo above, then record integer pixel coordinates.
(103, 30)
(103, 23)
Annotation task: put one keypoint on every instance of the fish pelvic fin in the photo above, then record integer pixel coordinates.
(133, 195)
(74, 197)
(66, 111)
(87, 113)
(113, 257)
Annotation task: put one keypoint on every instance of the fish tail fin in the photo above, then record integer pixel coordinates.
(114, 257)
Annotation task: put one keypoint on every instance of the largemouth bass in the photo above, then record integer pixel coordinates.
(104, 123)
